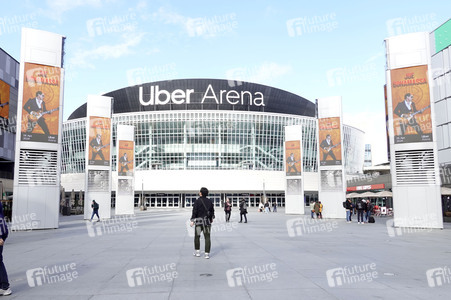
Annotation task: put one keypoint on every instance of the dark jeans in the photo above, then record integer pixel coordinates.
(241, 217)
(197, 230)
(227, 216)
(360, 215)
(95, 212)
(4, 283)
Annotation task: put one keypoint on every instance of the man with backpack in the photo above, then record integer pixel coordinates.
(202, 217)
(95, 210)
(361, 207)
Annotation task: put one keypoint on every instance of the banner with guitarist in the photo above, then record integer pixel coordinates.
(293, 165)
(125, 160)
(4, 100)
(412, 105)
(329, 136)
(40, 103)
(99, 141)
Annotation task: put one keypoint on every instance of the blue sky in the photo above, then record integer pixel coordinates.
(322, 49)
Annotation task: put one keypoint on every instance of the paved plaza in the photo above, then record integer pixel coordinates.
(273, 256)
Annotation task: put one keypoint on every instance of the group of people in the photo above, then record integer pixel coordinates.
(316, 208)
(363, 208)
(228, 210)
(267, 207)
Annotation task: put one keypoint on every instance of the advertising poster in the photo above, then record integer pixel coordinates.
(293, 165)
(329, 137)
(125, 160)
(412, 105)
(4, 100)
(41, 100)
(99, 141)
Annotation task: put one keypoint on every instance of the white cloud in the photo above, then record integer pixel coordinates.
(83, 59)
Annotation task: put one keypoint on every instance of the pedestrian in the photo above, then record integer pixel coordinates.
(4, 282)
(95, 210)
(202, 217)
(243, 210)
(320, 210)
(267, 207)
(348, 207)
(274, 206)
(261, 207)
(369, 210)
(227, 209)
(361, 207)
(312, 209)
(317, 209)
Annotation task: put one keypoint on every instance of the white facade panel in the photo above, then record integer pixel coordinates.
(442, 113)
(407, 50)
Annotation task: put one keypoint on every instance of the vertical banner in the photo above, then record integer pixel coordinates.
(39, 117)
(331, 169)
(98, 156)
(414, 166)
(329, 135)
(41, 95)
(412, 121)
(125, 192)
(294, 183)
(293, 162)
(4, 100)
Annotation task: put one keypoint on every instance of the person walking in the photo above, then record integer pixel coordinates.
(267, 207)
(361, 207)
(369, 210)
(243, 210)
(317, 209)
(227, 209)
(95, 210)
(312, 209)
(5, 290)
(274, 206)
(202, 217)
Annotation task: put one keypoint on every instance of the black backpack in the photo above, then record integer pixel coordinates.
(344, 204)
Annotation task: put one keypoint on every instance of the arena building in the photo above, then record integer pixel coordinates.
(225, 135)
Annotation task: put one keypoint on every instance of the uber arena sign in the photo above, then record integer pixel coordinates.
(178, 96)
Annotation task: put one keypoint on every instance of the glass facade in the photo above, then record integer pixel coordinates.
(204, 140)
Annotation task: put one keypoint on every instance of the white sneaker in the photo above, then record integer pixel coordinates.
(6, 292)
(196, 253)
(207, 255)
